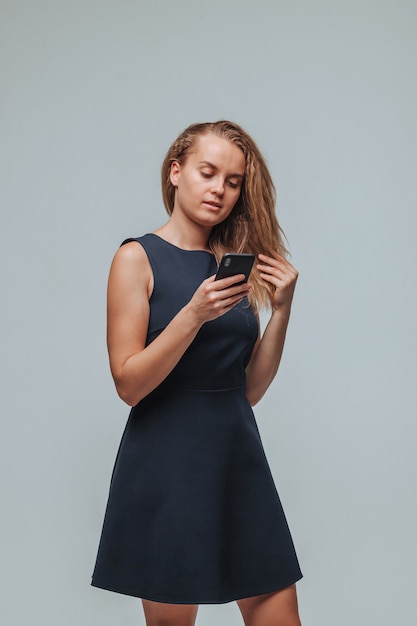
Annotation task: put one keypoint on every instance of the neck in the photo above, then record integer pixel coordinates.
(185, 234)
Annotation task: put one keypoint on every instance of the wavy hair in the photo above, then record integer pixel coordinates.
(252, 226)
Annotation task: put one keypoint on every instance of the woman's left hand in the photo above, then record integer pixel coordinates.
(282, 275)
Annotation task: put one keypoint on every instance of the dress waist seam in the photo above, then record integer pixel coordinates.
(204, 389)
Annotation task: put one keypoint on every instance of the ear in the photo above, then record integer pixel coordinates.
(175, 173)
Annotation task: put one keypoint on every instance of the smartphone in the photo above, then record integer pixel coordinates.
(234, 263)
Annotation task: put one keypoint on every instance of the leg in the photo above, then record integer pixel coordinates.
(161, 614)
(279, 608)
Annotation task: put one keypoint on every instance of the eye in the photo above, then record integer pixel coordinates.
(206, 174)
(232, 185)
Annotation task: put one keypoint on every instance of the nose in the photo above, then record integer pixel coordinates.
(218, 185)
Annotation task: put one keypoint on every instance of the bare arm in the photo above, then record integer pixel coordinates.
(137, 369)
(268, 352)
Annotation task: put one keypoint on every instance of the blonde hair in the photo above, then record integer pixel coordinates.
(252, 226)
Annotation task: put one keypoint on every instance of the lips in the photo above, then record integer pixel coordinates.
(215, 205)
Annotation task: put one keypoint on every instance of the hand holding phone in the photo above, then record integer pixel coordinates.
(235, 263)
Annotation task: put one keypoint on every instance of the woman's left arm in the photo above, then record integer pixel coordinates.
(267, 354)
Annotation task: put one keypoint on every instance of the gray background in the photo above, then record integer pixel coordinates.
(93, 92)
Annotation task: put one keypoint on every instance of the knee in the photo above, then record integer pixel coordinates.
(158, 614)
(168, 621)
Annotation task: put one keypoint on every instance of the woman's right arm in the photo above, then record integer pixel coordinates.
(137, 370)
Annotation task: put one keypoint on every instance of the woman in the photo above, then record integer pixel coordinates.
(193, 514)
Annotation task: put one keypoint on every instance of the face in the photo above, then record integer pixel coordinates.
(208, 184)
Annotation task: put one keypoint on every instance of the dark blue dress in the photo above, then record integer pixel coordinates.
(193, 515)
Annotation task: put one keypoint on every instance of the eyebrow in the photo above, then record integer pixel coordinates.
(215, 168)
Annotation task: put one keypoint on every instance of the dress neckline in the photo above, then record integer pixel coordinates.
(168, 243)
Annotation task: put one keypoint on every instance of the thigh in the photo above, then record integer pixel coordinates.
(279, 608)
(162, 614)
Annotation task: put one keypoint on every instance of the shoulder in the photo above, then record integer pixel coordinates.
(131, 250)
(131, 265)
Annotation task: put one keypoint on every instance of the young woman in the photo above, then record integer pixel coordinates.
(193, 515)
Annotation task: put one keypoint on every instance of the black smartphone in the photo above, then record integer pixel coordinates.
(234, 263)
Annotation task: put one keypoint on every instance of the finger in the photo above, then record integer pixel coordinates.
(278, 261)
(237, 291)
(223, 283)
(272, 260)
(240, 288)
(282, 277)
(273, 271)
(280, 270)
(232, 298)
(211, 287)
(270, 278)
(270, 268)
(217, 297)
(230, 303)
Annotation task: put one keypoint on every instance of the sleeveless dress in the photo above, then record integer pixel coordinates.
(193, 515)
